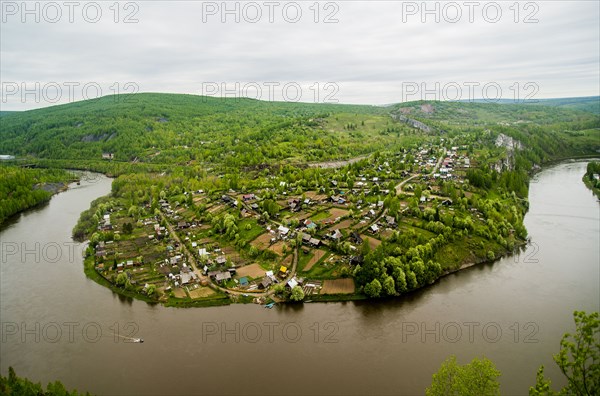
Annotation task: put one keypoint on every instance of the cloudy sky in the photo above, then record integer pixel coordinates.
(372, 52)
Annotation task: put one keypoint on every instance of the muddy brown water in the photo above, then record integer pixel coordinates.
(57, 324)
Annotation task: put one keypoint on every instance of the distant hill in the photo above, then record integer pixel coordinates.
(587, 103)
(590, 103)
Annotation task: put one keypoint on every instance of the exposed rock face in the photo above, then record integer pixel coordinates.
(427, 108)
(511, 145)
(506, 141)
(413, 123)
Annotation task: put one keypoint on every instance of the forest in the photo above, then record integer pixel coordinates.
(22, 188)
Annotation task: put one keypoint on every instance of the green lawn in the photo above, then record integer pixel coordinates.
(320, 215)
(253, 232)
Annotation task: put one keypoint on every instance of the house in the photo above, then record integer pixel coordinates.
(356, 260)
(227, 199)
(248, 197)
(292, 283)
(243, 281)
(355, 237)
(294, 205)
(202, 252)
(182, 224)
(314, 242)
(391, 221)
(380, 204)
(221, 260)
(374, 228)
(108, 156)
(266, 282)
(309, 224)
(223, 276)
(306, 238)
(336, 235)
(283, 270)
(447, 202)
(186, 278)
(283, 230)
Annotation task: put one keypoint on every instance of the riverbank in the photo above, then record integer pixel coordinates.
(591, 177)
(22, 189)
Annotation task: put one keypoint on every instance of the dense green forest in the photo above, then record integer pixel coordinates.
(22, 188)
(186, 129)
(240, 133)
(12, 385)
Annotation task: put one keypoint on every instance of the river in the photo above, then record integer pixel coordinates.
(57, 324)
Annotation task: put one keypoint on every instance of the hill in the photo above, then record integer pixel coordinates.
(587, 103)
(165, 129)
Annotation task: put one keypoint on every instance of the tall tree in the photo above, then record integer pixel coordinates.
(480, 377)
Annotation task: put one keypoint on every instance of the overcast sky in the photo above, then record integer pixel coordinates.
(371, 52)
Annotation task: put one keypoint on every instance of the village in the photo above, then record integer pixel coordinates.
(277, 243)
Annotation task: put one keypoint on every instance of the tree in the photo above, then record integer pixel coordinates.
(121, 279)
(14, 385)
(579, 356)
(542, 385)
(389, 286)
(279, 288)
(373, 289)
(480, 377)
(151, 290)
(297, 294)
(127, 228)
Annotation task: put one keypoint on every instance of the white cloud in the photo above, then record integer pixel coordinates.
(370, 53)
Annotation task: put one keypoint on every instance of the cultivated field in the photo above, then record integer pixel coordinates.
(317, 254)
(277, 247)
(338, 286)
(262, 241)
(252, 270)
(341, 226)
(373, 243)
(335, 213)
(202, 292)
